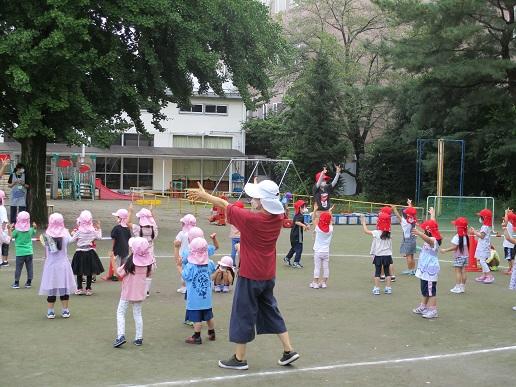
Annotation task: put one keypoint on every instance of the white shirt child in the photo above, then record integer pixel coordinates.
(484, 245)
(322, 240)
(380, 247)
(510, 230)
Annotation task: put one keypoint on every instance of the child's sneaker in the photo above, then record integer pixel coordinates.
(481, 278)
(28, 285)
(188, 323)
(406, 272)
(314, 285)
(79, 292)
(88, 292)
(297, 265)
(382, 278)
(65, 313)
(181, 290)
(489, 279)
(323, 285)
(211, 336)
(119, 341)
(217, 288)
(288, 357)
(393, 278)
(421, 309)
(514, 308)
(4, 264)
(287, 261)
(225, 289)
(376, 291)
(138, 342)
(388, 290)
(15, 285)
(462, 288)
(193, 340)
(234, 364)
(412, 272)
(430, 313)
(51, 315)
(455, 289)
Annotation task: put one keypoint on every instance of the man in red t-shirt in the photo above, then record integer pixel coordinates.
(254, 305)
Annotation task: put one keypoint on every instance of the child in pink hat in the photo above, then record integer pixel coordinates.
(187, 222)
(224, 275)
(148, 229)
(86, 261)
(4, 222)
(23, 234)
(120, 235)
(197, 276)
(136, 269)
(181, 256)
(57, 278)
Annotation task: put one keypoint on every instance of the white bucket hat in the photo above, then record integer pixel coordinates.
(268, 193)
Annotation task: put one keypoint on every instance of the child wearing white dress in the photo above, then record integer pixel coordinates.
(483, 251)
(323, 235)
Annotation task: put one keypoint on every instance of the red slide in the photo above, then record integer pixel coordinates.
(106, 194)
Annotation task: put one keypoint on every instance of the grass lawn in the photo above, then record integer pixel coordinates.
(345, 335)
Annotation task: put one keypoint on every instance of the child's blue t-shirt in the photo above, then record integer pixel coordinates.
(185, 252)
(198, 285)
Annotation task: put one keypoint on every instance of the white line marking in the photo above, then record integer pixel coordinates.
(226, 378)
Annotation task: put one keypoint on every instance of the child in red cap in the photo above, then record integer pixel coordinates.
(428, 267)
(322, 191)
(296, 235)
(460, 248)
(483, 251)
(509, 221)
(381, 250)
(408, 221)
(323, 234)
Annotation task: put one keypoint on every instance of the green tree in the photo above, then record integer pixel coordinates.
(70, 70)
(461, 78)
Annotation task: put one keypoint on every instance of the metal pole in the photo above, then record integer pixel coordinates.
(284, 173)
(461, 183)
(418, 155)
(163, 177)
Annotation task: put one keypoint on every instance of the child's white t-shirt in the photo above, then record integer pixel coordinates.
(484, 245)
(3, 215)
(322, 240)
(457, 253)
(407, 228)
(380, 247)
(183, 238)
(510, 230)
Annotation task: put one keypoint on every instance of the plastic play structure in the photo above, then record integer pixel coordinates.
(106, 194)
(74, 182)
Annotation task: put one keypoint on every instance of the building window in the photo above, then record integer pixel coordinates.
(186, 169)
(191, 109)
(214, 142)
(136, 139)
(118, 173)
(216, 109)
(213, 169)
(187, 141)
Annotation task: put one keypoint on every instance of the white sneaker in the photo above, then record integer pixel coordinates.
(430, 313)
(323, 285)
(314, 285)
(514, 308)
(462, 288)
(456, 289)
(181, 290)
(376, 291)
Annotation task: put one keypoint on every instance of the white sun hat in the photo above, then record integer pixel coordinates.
(268, 193)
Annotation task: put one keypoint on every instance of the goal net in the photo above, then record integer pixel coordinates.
(448, 208)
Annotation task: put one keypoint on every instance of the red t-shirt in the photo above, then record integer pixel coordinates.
(258, 235)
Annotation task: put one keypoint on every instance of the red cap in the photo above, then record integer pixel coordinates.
(487, 217)
(298, 204)
(461, 224)
(410, 211)
(386, 209)
(324, 221)
(318, 175)
(511, 216)
(431, 226)
(384, 222)
(238, 204)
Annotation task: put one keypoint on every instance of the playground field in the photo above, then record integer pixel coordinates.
(345, 335)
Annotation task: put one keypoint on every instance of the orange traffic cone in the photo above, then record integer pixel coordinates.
(472, 261)
(110, 276)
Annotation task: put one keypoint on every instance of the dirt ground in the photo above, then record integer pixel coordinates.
(345, 335)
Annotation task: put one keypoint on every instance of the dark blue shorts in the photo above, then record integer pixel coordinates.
(199, 315)
(254, 311)
(428, 288)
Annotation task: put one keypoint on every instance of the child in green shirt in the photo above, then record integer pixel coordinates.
(23, 235)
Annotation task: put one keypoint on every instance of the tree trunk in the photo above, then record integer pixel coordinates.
(358, 189)
(34, 157)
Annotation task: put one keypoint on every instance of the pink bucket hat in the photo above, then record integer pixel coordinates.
(123, 214)
(141, 252)
(195, 232)
(188, 221)
(56, 227)
(22, 221)
(198, 252)
(226, 261)
(85, 221)
(145, 218)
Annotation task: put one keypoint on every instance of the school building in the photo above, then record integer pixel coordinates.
(197, 145)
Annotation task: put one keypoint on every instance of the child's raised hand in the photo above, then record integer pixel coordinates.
(338, 168)
(34, 225)
(409, 202)
(431, 211)
(213, 236)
